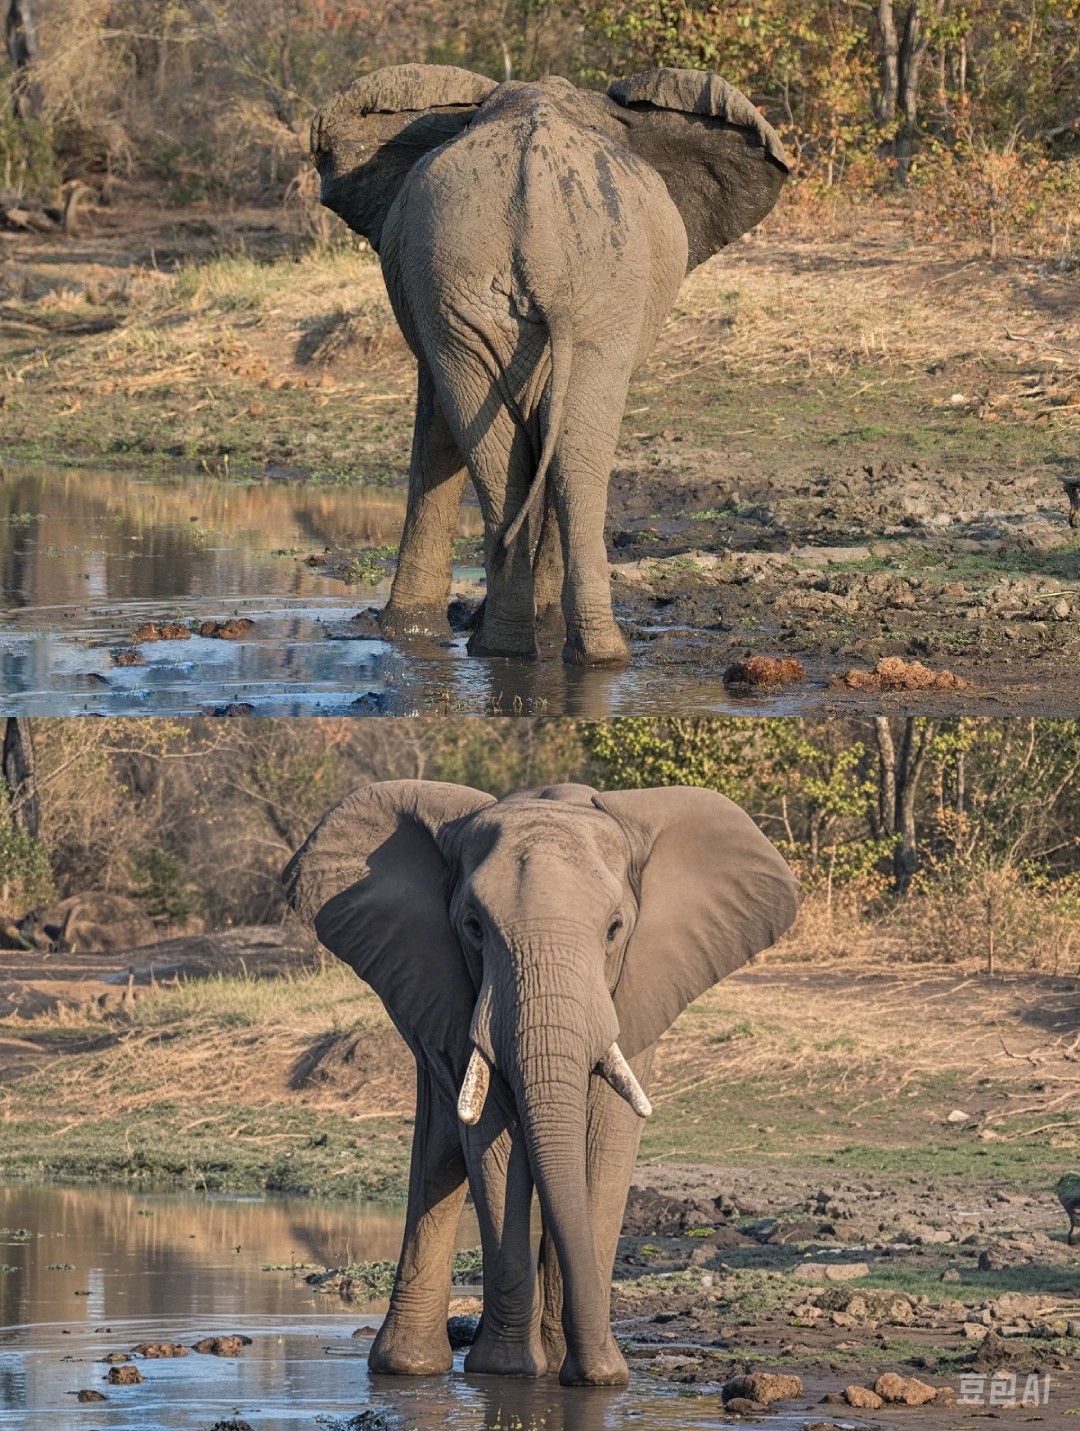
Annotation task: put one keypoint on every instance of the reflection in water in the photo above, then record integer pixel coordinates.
(179, 1267)
(86, 557)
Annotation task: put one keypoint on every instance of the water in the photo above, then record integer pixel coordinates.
(178, 1267)
(86, 557)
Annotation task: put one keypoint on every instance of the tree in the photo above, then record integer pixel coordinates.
(901, 761)
(20, 35)
(24, 808)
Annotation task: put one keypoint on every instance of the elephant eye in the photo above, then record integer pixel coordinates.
(613, 928)
(472, 928)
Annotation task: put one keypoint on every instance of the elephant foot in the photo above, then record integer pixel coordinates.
(514, 646)
(398, 622)
(604, 648)
(399, 1350)
(549, 621)
(493, 1354)
(605, 1366)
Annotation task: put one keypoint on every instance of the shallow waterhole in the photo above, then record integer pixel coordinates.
(129, 1267)
(87, 556)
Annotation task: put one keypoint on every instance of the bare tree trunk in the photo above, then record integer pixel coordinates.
(21, 39)
(19, 777)
(899, 773)
(890, 66)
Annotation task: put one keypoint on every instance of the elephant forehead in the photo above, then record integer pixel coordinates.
(534, 832)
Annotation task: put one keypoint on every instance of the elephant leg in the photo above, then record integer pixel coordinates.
(613, 1133)
(418, 598)
(503, 463)
(548, 577)
(412, 1340)
(580, 474)
(508, 1342)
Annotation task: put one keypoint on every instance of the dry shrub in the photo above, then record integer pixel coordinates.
(1007, 200)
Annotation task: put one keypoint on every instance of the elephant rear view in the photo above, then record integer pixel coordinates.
(533, 238)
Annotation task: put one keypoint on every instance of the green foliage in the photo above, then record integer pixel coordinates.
(166, 888)
(26, 877)
(27, 154)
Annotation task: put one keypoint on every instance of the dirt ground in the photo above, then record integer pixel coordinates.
(845, 447)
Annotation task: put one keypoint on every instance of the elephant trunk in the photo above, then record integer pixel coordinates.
(558, 1044)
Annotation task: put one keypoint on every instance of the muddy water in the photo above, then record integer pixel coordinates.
(180, 1267)
(86, 557)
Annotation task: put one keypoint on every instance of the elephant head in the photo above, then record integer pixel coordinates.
(533, 942)
(722, 163)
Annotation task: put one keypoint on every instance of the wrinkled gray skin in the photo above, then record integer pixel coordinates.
(525, 938)
(533, 237)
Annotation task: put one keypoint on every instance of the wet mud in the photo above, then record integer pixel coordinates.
(196, 596)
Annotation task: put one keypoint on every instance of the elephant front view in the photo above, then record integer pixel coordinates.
(531, 951)
(533, 237)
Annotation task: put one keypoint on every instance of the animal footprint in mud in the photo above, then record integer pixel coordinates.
(231, 630)
(167, 631)
(894, 674)
(757, 671)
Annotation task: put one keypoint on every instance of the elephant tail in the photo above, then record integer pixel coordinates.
(558, 384)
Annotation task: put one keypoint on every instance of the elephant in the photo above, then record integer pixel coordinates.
(533, 237)
(531, 950)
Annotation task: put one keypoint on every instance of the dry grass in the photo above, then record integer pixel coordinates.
(879, 306)
(919, 323)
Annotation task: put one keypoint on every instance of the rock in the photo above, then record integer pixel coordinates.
(234, 1423)
(844, 1320)
(958, 1116)
(123, 1376)
(830, 1271)
(151, 1350)
(992, 1259)
(235, 708)
(222, 1346)
(763, 1386)
(862, 1398)
(743, 1406)
(462, 1331)
(115, 1357)
(364, 1334)
(1016, 1306)
(945, 1396)
(974, 1331)
(128, 656)
(904, 1390)
(950, 1275)
(88, 1394)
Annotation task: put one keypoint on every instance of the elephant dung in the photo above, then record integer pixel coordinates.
(222, 1346)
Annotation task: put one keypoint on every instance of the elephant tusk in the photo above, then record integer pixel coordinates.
(614, 1067)
(474, 1089)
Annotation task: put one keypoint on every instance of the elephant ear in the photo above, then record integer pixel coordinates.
(372, 882)
(369, 136)
(722, 162)
(713, 891)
